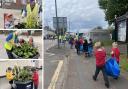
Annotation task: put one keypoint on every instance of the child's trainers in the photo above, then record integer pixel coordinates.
(107, 85)
(94, 78)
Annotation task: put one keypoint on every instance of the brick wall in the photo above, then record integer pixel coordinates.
(17, 5)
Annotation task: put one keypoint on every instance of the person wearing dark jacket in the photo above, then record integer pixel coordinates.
(77, 46)
(100, 55)
(90, 47)
(85, 48)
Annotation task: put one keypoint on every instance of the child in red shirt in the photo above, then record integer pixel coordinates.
(115, 52)
(35, 78)
(100, 55)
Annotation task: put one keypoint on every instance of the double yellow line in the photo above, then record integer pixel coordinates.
(56, 75)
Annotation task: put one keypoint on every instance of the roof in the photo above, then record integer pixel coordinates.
(98, 30)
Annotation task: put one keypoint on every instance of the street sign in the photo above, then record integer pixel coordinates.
(62, 22)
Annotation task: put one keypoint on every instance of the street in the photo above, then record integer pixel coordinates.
(48, 44)
(79, 71)
(52, 57)
(4, 84)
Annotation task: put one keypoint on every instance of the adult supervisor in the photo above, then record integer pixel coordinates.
(11, 41)
(31, 14)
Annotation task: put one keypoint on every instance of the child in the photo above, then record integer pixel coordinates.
(31, 41)
(100, 55)
(77, 46)
(9, 76)
(85, 47)
(115, 52)
(35, 78)
(90, 47)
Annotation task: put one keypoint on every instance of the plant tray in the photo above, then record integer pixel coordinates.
(24, 85)
(18, 57)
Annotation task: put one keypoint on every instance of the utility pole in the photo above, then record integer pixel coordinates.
(115, 28)
(1, 3)
(57, 29)
(69, 26)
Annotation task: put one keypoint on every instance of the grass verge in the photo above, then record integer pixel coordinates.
(124, 62)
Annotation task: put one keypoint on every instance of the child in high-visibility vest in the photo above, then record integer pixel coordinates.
(9, 76)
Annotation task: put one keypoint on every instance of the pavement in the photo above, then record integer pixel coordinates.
(3, 54)
(37, 41)
(4, 84)
(80, 71)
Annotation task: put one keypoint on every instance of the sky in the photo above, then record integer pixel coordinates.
(83, 15)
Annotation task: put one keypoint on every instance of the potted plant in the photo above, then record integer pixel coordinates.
(23, 78)
(25, 51)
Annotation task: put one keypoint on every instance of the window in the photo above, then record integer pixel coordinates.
(9, 1)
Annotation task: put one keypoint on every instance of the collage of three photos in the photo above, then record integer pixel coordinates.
(21, 44)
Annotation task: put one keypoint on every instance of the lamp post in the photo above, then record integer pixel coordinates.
(57, 29)
(115, 28)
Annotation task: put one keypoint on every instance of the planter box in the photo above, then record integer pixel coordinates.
(17, 57)
(22, 85)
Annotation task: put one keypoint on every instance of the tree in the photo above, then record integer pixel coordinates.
(112, 8)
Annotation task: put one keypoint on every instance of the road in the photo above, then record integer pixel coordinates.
(4, 84)
(48, 44)
(53, 58)
(49, 66)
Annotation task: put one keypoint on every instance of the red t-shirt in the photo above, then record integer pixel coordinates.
(81, 41)
(116, 53)
(35, 78)
(100, 55)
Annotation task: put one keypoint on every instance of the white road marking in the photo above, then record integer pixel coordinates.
(50, 54)
(56, 75)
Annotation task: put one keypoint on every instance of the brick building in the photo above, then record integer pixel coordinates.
(14, 4)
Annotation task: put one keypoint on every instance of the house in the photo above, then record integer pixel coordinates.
(48, 32)
(15, 4)
(99, 34)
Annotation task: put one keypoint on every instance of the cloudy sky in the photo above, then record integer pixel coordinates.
(82, 14)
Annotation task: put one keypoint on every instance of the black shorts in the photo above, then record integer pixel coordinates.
(11, 82)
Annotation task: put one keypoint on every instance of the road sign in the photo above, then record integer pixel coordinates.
(62, 22)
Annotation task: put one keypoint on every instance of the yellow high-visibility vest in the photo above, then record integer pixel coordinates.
(8, 45)
(64, 37)
(9, 75)
(60, 37)
(32, 16)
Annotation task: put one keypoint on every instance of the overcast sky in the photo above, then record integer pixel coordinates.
(83, 14)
